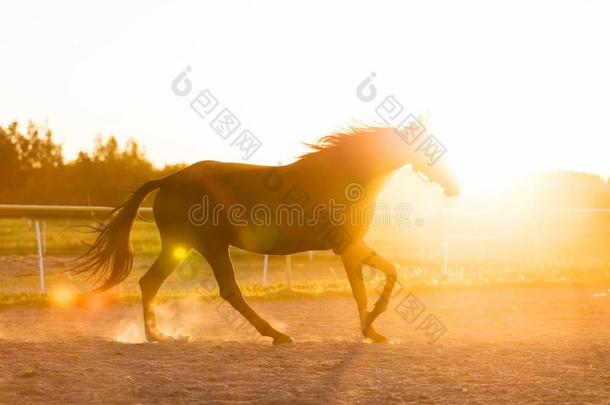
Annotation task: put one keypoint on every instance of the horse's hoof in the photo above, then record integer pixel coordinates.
(157, 337)
(282, 340)
(379, 339)
(375, 336)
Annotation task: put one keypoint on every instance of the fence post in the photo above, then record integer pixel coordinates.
(265, 265)
(445, 243)
(536, 235)
(40, 256)
(289, 271)
(44, 238)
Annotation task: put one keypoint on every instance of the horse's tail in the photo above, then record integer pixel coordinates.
(110, 257)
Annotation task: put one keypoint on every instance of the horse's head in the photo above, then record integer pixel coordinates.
(426, 158)
(440, 174)
(380, 150)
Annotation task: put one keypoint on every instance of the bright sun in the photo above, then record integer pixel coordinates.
(478, 177)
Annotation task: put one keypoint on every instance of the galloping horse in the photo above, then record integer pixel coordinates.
(344, 170)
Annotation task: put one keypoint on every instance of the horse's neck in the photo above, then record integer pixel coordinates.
(376, 184)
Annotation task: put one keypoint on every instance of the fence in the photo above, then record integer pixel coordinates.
(445, 228)
(41, 212)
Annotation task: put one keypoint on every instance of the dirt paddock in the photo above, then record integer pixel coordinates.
(500, 344)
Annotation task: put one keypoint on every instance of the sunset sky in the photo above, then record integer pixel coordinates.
(507, 87)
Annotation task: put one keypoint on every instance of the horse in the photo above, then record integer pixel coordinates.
(292, 208)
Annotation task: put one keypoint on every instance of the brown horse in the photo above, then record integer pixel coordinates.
(322, 201)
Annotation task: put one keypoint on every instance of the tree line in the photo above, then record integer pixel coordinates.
(33, 169)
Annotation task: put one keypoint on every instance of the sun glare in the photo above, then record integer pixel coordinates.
(476, 177)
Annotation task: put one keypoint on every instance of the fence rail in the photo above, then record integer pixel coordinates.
(60, 211)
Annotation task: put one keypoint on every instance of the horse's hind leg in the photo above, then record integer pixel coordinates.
(229, 290)
(149, 285)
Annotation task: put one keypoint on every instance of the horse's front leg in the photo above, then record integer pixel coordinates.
(353, 269)
(355, 255)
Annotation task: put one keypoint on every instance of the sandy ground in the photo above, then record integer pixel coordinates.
(500, 345)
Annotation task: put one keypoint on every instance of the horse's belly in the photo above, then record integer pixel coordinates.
(282, 241)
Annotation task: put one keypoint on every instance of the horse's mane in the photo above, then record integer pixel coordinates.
(339, 141)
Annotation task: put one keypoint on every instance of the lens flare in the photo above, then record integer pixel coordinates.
(180, 253)
(62, 295)
(97, 302)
